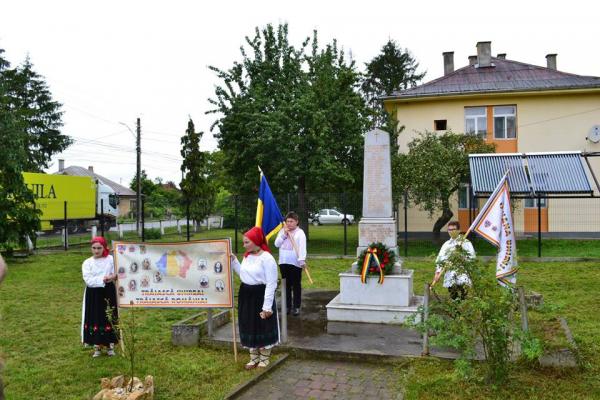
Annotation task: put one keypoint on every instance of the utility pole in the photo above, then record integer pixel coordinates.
(139, 175)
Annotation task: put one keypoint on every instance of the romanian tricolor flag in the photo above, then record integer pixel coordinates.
(268, 216)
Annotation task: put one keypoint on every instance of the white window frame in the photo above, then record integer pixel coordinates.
(532, 202)
(505, 117)
(479, 130)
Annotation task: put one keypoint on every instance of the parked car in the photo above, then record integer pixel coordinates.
(331, 216)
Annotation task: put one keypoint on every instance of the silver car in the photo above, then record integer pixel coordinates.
(331, 216)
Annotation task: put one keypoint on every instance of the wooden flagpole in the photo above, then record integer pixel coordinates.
(298, 255)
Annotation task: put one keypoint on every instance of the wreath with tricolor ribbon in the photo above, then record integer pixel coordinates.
(377, 259)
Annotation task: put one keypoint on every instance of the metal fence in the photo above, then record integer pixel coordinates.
(567, 227)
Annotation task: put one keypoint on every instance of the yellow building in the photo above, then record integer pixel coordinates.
(521, 108)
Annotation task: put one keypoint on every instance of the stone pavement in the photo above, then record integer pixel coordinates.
(321, 379)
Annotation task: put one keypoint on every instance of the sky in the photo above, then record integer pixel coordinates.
(111, 62)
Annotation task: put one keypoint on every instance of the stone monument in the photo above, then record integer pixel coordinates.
(393, 300)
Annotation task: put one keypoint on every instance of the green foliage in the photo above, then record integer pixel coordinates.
(161, 200)
(197, 188)
(393, 69)
(434, 168)
(39, 117)
(486, 314)
(294, 111)
(18, 216)
(152, 233)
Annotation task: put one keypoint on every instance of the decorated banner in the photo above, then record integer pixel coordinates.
(494, 223)
(190, 274)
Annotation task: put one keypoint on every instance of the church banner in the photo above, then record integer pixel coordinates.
(189, 274)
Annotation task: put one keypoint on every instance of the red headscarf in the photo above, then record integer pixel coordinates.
(257, 237)
(102, 241)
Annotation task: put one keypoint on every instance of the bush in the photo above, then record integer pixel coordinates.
(485, 315)
(152, 233)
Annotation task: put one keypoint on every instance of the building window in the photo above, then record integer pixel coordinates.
(505, 126)
(476, 121)
(440, 124)
(532, 203)
(463, 197)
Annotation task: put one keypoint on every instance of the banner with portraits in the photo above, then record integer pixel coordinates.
(190, 274)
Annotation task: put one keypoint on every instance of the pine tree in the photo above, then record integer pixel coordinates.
(197, 190)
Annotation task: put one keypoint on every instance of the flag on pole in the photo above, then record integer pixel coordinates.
(494, 223)
(268, 216)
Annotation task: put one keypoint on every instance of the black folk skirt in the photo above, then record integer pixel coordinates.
(97, 328)
(254, 331)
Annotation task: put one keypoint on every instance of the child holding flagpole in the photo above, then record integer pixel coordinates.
(291, 242)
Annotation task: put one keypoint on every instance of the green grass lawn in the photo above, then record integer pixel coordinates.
(40, 305)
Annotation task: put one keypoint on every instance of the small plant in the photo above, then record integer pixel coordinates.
(152, 233)
(126, 325)
(485, 315)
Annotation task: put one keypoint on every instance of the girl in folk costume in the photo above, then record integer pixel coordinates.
(257, 311)
(291, 242)
(99, 274)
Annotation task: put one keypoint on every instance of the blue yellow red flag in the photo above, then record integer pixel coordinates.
(268, 216)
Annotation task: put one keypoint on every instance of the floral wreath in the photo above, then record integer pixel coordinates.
(377, 259)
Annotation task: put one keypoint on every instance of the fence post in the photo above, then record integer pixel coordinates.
(524, 318)
(405, 224)
(178, 227)
(94, 231)
(284, 332)
(209, 322)
(345, 224)
(187, 219)
(539, 207)
(102, 217)
(235, 223)
(425, 317)
(120, 227)
(66, 232)
(143, 220)
(161, 226)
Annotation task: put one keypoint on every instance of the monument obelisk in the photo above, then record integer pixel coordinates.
(392, 301)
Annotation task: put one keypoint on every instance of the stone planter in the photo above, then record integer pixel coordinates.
(187, 332)
(117, 388)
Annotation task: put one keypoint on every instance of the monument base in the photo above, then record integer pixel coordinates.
(338, 311)
(388, 303)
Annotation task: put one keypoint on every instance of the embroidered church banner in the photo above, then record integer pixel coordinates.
(190, 274)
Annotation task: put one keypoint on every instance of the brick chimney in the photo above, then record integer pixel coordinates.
(551, 61)
(61, 165)
(472, 60)
(91, 168)
(448, 62)
(484, 54)
(501, 56)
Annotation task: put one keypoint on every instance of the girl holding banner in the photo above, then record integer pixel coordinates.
(257, 311)
(99, 274)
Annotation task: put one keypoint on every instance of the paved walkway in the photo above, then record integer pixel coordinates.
(319, 379)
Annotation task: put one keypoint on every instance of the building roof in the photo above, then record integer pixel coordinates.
(531, 174)
(75, 170)
(503, 76)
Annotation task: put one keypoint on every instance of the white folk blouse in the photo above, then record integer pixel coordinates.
(259, 270)
(95, 269)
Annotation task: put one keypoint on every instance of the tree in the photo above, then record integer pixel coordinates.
(30, 100)
(392, 70)
(197, 189)
(434, 168)
(296, 114)
(18, 217)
